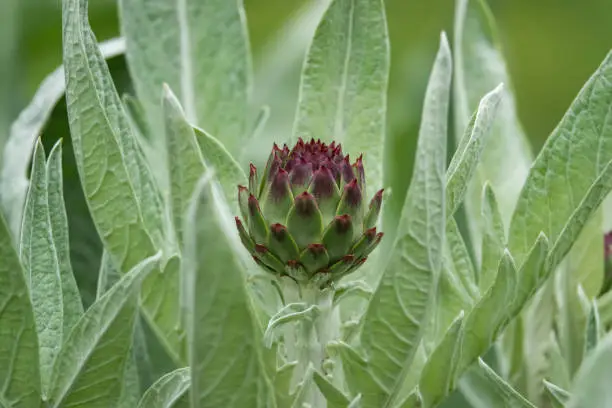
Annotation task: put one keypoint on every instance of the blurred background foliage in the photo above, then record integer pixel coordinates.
(551, 47)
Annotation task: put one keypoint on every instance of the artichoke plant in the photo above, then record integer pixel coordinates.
(305, 215)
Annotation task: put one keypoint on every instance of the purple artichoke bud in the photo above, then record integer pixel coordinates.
(305, 215)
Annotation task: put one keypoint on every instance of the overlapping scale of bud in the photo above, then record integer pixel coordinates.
(306, 217)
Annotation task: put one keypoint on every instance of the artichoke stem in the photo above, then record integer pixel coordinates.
(305, 341)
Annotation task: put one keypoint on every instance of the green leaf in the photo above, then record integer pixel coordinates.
(604, 305)
(394, 321)
(501, 303)
(571, 165)
(557, 368)
(343, 86)
(493, 238)
(581, 271)
(510, 397)
(558, 397)
(130, 389)
(19, 360)
(467, 156)
(170, 391)
(201, 50)
(438, 375)
(359, 378)
(347, 290)
(40, 261)
(185, 163)
(227, 170)
(335, 398)
(123, 198)
(451, 296)
(224, 339)
(291, 313)
(479, 67)
(593, 329)
(282, 384)
(23, 135)
(85, 373)
(484, 322)
(108, 276)
(462, 266)
(591, 386)
(71, 299)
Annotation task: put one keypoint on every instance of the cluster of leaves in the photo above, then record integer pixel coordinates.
(159, 174)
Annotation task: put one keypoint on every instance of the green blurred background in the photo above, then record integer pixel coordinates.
(551, 46)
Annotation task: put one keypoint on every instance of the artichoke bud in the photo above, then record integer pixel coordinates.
(304, 215)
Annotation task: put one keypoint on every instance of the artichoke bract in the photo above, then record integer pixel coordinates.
(306, 218)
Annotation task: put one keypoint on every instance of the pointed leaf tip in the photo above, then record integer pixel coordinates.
(323, 183)
(305, 204)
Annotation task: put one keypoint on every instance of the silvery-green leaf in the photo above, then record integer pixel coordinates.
(277, 70)
(71, 299)
(570, 317)
(484, 322)
(123, 198)
(19, 361)
(170, 391)
(291, 313)
(226, 169)
(260, 123)
(282, 384)
(108, 276)
(581, 272)
(40, 261)
(557, 368)
(224, 339)
(591, 387)
(411, 401)
(437, 377)
(394, 321)
(558, 396)
(335, 398)
(185, 163)
(201, 50)
(604, 305)
(467, 156)
(571, 165)
(349, 289)
(355, 402)
(88, 371)
(509, 396)
(479, 67)
(450, 299)
(24, 131)
(501, 303)
(343, 90)
(356, 371)
(493, 238)
(593, 329)
(462, 264)
(130, 389)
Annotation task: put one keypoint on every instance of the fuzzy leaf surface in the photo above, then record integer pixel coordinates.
(395, 318)
(201, 50)
(224, 338)
(343, 90)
